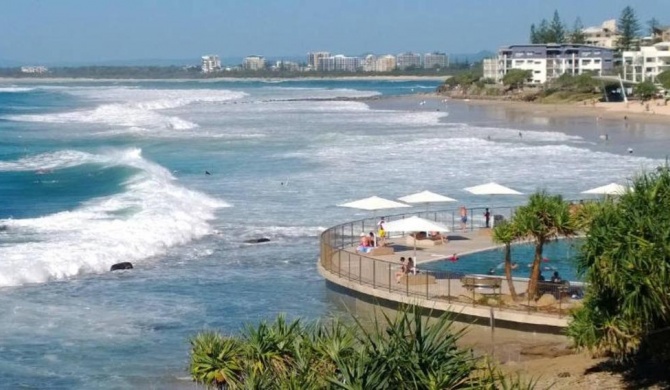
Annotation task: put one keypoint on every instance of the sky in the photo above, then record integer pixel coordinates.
(90, 31)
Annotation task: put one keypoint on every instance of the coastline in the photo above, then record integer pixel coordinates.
(29, 80)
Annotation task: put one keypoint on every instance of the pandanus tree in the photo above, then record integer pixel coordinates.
(505, 233)
(625, 260)
(543, 219)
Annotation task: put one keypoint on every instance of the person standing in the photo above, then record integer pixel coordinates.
(381, 233)
(464, 217)
(487, 217)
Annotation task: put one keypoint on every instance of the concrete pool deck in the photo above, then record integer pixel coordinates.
(372, 278)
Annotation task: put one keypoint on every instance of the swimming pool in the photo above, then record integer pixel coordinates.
(560, 255)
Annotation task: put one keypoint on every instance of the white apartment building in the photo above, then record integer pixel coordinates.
(286, 66)
(314, 57)
(406, 60)
(550, 61)
(253, 63)
(604, 35)
(339, 63)
(435, 60)
(210, 63)
(372, 63)
(647, 63)
(490, 67)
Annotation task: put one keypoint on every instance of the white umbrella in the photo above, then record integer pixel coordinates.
(374, 203)
(426, 197)
(492, 189)
(610, 189)
(415, 224)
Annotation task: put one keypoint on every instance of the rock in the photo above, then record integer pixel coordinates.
(546, 300)
(256, 240)
(120, 266)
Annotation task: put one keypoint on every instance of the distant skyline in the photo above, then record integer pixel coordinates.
(85, 31)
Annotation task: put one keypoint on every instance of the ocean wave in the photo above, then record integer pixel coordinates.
(134, 107)
(151, 215)
(13, 89)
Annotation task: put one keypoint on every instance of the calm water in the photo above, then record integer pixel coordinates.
(558, 256)
(99, 173)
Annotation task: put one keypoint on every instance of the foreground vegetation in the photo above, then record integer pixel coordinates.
(626, 261)
(404, 352)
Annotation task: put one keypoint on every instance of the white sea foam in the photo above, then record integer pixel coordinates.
(153, 214)
(12, 89)
(134, 107)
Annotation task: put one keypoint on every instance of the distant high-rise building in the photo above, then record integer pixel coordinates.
(314, 57)
(408, 60)
(435, 60)
(604, 35)
(210, 63)
(339, 63)
(254, 63)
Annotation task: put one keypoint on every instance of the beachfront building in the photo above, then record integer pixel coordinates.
(372, 63)
(549, 61)
(288, 66)
(408, 60)
(490, 68)
(339, 63)
(314, 57)
(604, 35)
(435, 60)
(34, 69)
(646, 63)
(253, 63)
(210, 63)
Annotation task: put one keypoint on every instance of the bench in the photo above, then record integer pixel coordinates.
(556, 289)
(479, 283)
(424, 242)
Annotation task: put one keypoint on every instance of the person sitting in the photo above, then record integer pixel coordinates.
(372, 239)
(556, 278)
(419, 235)
(436, 236)
(402, 271)
(411, 266)
(364, 244)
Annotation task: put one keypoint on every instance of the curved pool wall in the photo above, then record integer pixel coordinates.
(371, 279)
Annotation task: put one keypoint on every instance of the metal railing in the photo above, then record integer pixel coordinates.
(338, 256)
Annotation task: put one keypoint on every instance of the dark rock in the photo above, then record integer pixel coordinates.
(120, 266)
(257, 240)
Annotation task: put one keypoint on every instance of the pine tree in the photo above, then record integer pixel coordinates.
(543, 32)
(577, 34)
(533, 34)
(628, 27)
(556, 29)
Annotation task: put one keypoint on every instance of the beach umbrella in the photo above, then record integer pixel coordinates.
(415, 224)
(374, 203)
(492, 189)
(426, 197)
(609, 189)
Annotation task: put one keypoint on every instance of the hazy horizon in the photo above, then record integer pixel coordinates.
(84, 32)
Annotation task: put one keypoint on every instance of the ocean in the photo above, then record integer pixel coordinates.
(174, 176)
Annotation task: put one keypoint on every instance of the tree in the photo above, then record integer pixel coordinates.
(543, 219)
(628, 28)
(625, 261)
(533, 35)
(645, 90)
(577, 33)
(543, 34)
(653, 24)
(556, 29)
(664, 79)
(505, 233)
(514, 78)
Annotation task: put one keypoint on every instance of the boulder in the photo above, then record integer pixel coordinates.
(120, 266)
(256, 240)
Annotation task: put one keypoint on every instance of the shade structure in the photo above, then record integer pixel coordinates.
(426, 197)
(609, 189)
(374, 203)
(415, 224)
(492, 189)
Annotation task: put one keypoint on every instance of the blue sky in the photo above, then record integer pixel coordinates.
(102, 30)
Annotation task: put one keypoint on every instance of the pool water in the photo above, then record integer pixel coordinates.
(559, 255)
